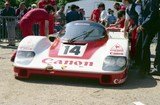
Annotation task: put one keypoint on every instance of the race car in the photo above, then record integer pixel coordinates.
(81, 49)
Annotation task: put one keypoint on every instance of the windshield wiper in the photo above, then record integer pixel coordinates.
(84, 36)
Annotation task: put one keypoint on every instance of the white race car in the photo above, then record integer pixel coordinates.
(82, 49)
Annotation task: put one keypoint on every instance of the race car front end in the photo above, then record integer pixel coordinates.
(113, 71)
(98, 61)
(88, 53)
(117, 70)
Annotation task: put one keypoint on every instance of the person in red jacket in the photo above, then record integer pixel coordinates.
(35, 16)
(95, 16)
(120, 21)
(42, 4)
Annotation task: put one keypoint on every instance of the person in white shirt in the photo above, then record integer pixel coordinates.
(103, 17)
(117, 7)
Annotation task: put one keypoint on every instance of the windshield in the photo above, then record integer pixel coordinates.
(82, 31)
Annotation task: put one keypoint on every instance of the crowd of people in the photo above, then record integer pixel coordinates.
(138, 18)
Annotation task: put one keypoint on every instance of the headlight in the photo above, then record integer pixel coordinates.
(121, 62)
(24, 57)
(114, 63)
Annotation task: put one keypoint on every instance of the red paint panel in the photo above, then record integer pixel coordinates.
(104, 79)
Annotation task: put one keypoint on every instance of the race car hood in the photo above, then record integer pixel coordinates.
(77, 50)
(77, 57)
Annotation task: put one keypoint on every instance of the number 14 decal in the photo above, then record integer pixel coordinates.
(72, 50)
(75, 50)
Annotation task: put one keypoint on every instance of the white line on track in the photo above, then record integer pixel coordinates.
(138, 103)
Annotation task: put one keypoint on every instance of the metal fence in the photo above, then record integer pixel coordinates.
(9, 29)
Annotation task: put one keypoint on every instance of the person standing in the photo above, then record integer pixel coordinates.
(117, 8)
(9, 12)
(111, 18)
(148, 27)
(131, 22)
(120, 20)
(156, 71)
(95, 16)
(68, 9)
(34, 16)
(79, 12)
(82, 14)
(72, 15)
(157, 58)
(103, 17)
(61, 18)
(21, 11)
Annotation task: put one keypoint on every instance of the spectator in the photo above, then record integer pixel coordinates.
(103, 17)
(33, 6)
(61, 18)
(131, 22)
(72, 15)
(21, 11)
(108, 11)
(148, 27)
(35, 16)
(82, 14)
(120, 21)
(111, 18)
(117, 7)
(123, 8)
(77, 8)
(68, 9)
(10, 22)
(95, 16)
(157, 58)
(43, 3)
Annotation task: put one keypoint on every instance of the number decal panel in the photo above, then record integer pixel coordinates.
(72, 50)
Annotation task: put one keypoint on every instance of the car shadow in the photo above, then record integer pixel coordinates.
(134, 81)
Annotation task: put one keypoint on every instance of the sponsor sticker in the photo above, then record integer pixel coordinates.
(64, 63)
(116, 50)
(119, 81)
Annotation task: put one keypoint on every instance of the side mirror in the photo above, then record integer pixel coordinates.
(52, 37)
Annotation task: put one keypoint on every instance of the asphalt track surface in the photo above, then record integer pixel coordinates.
(42, 90)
